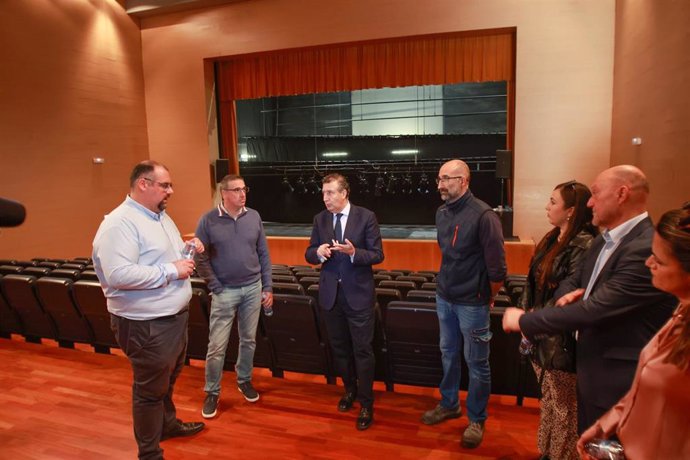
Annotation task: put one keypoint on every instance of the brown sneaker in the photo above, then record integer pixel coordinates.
(439, 414)
(473, 435)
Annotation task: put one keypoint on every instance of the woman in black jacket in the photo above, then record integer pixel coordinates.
(556, 257)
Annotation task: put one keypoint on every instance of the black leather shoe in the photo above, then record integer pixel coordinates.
(183, 429)
(345, 403)
(366, 418)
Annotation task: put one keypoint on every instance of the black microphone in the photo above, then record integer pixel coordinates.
(11, 213)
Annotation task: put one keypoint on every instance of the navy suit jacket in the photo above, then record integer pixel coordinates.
(356, 277)
(621, 314)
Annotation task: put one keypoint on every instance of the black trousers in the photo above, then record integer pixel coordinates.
(351, 333)
(156, 350)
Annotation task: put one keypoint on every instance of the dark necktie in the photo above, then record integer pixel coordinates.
(338, 228)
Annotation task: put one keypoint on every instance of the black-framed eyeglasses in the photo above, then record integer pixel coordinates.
(163, 185)
(445, 179)
(237, 189)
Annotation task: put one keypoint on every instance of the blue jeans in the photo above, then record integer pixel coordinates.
(465, 326)
(246, 303)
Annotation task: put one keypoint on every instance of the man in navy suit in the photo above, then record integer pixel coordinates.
(609, 299)
(346, 240)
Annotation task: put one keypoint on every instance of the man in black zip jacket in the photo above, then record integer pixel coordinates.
(472, 271)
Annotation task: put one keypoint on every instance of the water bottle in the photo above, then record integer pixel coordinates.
(268, 311)
(605, 449)
(189, 250)
(525, 347)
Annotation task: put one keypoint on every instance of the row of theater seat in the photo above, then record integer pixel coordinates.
(293, 339)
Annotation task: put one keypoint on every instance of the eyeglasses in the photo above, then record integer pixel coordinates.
(237, 189)
(163, 185)
(445, 179)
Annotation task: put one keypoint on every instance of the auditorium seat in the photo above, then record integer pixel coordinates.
(26, 263)
(502, 300)
(8, 262)
(280, 267)
(382, 371)
(378, 278)
(88, 275)
(81, 260)
(58, 261)
(199, 283)
(511, 372)
(38, 272)
(412, 333)
(313, 292)
(20, 293)
(417, 280)
(384, 296)
(10, 269)
(288, 288)
(199, 308)
(307, 281)
(302, 268)
(430, 275)
(428, 286)
(90, 300)
(283, 278)
(55, 295)
(10, 322)
(402, 286)
(73, 265)
(49, 264)
(392, 273)
(70, 273)
(294, 334)
(515, 294)
(418, 295)
(305, 273)
(282, 272)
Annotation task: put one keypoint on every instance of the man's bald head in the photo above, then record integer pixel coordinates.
(456, 168)
(619, 193)
(453, 180)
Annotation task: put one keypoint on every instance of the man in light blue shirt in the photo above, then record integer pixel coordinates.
(137, 256)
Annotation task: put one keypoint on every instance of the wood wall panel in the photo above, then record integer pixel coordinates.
(405, 254)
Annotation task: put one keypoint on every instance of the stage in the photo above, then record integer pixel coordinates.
(411, 247)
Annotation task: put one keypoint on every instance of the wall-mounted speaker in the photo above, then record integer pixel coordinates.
(222, 168)
(504, 164)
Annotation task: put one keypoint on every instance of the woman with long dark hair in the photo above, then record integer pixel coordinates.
(653, 419)
(556, 257)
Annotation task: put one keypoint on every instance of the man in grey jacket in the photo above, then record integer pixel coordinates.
(237, 269)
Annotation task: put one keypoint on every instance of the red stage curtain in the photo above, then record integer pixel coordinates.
(396, 62)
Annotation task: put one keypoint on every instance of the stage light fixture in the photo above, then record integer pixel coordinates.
(287, 186)
(379, 186)
(423, 187)
(300, 187)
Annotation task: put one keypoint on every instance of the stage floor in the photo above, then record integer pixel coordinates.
(395, 232)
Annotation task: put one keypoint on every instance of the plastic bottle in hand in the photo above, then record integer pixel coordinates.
(189, 250)
(268, 311)
(605, 449)
(525, 347)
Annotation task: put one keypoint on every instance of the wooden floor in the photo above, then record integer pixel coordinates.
(75, 404)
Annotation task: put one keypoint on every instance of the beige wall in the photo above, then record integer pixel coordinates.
(71, 88)
(564, 79)
(651, 96)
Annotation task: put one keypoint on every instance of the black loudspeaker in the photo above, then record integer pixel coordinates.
(222, 169)
(504, 163)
